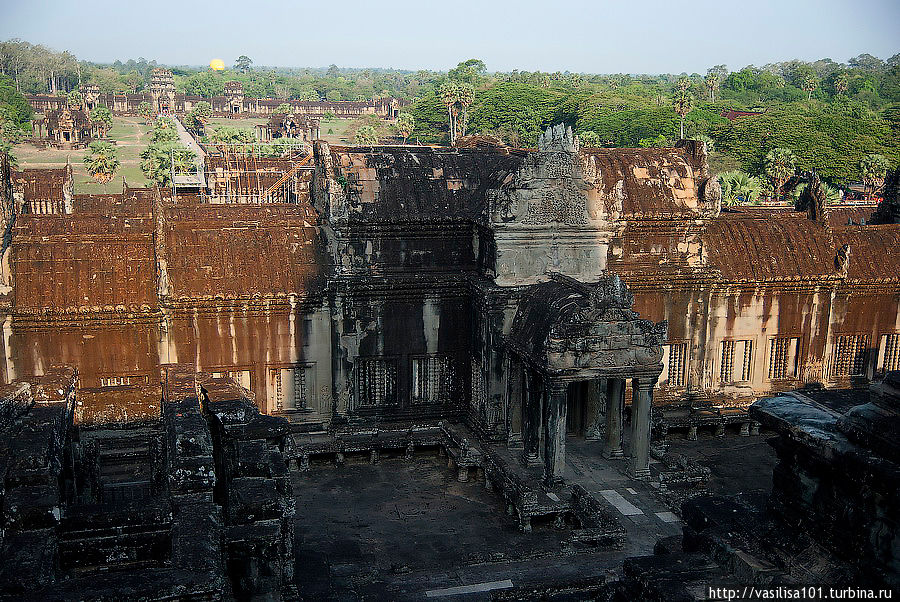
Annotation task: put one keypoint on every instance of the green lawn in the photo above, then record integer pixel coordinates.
(241, 124)
(131, 137)
(338, 129)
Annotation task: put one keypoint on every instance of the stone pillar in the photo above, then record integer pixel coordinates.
(594, 410)
(615, 404)
(640, 427)
(555, 439)
(531, 429)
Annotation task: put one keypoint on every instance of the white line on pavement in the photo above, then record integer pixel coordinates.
(622, 505)
(667, 517)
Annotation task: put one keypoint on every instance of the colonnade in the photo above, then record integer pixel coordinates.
(545, 405)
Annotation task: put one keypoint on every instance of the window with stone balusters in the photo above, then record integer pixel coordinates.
(292, 388)
(676, 373)
(376, 381)
(783, 357)
(889, 352)
(851, 353)
(115, 381)
(432, 379)
(737, 361)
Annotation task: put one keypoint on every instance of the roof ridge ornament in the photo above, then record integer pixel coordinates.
(558, 138)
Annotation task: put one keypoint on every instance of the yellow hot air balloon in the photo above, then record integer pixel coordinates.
(217, 65)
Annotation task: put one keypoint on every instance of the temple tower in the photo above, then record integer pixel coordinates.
(162, 90)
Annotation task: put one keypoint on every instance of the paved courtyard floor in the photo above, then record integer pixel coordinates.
(408, 530)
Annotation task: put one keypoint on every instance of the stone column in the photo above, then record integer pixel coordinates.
(555, 438)
(531, 427)
(615, 405)
(641, 399)
(594, 410)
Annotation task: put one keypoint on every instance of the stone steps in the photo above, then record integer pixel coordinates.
(140, 545)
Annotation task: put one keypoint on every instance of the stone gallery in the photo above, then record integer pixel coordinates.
(175, 356)
(163, 99)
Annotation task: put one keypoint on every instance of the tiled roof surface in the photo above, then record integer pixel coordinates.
(242, 251)
(653, 180)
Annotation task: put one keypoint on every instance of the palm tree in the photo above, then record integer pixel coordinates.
(707, 140)
(101, 161)
(449, 93)
(841, 82)
(406, 123)
(779, 164)
(74, 99)
(873, 168)
(103, 118)
(810, 83)
(683, 104)
(712, 84)
(145, 110)
(738, 186)
(183, 161)
(465, 100)
(366, 136)
(832, 193)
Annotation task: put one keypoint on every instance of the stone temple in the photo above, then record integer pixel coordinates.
(175, 355)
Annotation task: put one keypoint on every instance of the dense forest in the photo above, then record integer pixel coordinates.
(831, 116)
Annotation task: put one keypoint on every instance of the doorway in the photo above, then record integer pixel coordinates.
(576, 414)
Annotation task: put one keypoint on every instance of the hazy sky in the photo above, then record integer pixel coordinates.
(599, 36)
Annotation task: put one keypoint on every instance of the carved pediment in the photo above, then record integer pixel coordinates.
(565, 324)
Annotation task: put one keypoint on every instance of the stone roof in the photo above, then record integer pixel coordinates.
(77, 117)
(67, 262)
(42, 183)
(650, 181)
(235, 251)
(403, 183)
(118, 406)
(788, 245)
(565, 325)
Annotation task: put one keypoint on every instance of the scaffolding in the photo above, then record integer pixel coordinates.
(248, 174)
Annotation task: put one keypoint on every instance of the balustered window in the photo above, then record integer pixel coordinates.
(851, 353)
(432, 379)
(737, 361)
(783, 357)
(292, 387)
(890, 352)
(376, 381)
(677, 364)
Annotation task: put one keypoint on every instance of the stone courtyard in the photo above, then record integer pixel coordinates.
(406, 528)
